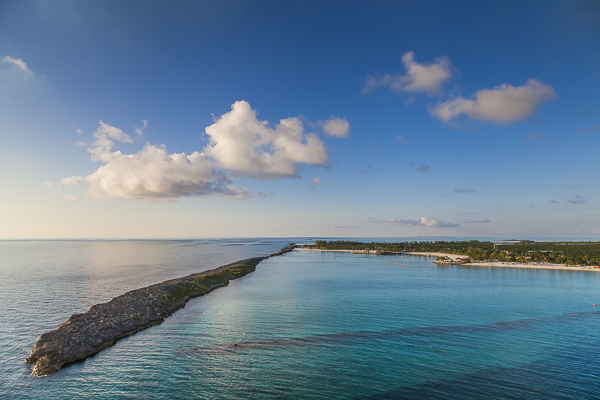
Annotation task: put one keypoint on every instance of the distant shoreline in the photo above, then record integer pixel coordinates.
(458, 257)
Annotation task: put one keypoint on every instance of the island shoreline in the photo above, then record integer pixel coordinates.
(457, 257)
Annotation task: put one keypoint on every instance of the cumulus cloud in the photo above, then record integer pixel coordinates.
(20, 64)
(419, 78)
(401, 139)
(464, 190)
(423, 221)
(153, 173)
(475, 221)
(315, 182)
(337, 127)
(139, 130)
(239, 144)
(247, 147)
(106, 132)
(103, 144)
(59, 188)
(72, 181)
(502, 104)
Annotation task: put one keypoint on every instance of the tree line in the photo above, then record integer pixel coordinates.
(569, 253)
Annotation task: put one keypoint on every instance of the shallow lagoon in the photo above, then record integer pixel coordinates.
(321, 325)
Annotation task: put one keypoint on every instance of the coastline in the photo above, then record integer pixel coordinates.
(454, 257)
(83, 335)
(336, 251)
(562, 267)
(458, 257)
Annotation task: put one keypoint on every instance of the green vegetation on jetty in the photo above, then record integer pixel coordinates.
(524, 251)
(199, 284)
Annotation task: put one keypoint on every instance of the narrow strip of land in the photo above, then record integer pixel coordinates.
(85, 334)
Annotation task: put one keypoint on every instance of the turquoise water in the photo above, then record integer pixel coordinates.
(308, 325)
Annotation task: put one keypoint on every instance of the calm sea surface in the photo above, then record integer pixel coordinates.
(308, 325)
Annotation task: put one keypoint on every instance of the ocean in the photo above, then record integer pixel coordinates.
(307, 325)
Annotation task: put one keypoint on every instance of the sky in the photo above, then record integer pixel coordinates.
(156, 119)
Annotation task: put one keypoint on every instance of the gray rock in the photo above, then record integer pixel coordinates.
(85, 334)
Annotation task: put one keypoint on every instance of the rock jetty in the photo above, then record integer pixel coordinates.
(85, 334)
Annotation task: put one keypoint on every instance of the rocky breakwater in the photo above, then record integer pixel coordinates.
(85, 334)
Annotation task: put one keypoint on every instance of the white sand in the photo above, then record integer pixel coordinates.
(458, 257)
(535, 266)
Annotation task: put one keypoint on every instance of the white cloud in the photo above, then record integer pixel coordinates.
(153, 173)
(57, 188)
(374, 82)
(239, 144)
(475, 221)
(419, 78)
(72, 181)
(140, 130)
(401, 139)
(247, 147)
(338, 127)
(103, 144)
(315, 182)
(17, 62)
(79, 131)
(423, 221)
(112, 132)
(502, 104)
(344, 227)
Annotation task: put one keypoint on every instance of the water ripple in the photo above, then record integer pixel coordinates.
(340, 338)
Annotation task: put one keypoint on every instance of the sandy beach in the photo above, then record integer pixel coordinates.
(535, 266)
(458, 257)
(453, 257)
(337, 251)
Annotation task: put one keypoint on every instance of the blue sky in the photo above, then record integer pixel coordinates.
(315, 118)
